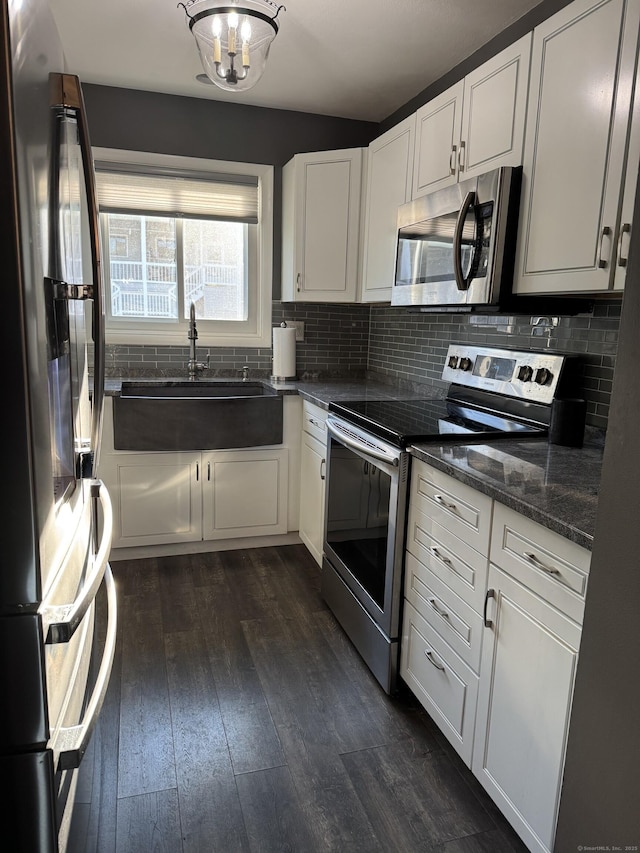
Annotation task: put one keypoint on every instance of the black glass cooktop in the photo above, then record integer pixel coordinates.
(402, 422)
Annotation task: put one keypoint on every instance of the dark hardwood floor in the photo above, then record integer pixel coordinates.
(240, 718)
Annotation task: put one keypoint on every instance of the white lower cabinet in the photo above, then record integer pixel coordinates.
(492, 655)
(313, 458)
(165, 498)
(528, 668)
(157, 497)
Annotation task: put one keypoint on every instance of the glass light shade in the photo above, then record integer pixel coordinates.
(233, 40)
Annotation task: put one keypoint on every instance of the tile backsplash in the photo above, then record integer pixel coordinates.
(412, 347)
(397, 346)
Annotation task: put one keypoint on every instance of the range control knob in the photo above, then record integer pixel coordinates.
(525, 373)
(465, 364)
(453, 361)
(543, 376)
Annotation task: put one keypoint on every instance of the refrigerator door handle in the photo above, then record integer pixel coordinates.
(61, 621)
(65, 91)
(71, 742)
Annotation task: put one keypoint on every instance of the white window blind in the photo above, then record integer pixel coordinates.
(170, 195)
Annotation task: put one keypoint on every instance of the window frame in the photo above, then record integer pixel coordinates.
(252, 333)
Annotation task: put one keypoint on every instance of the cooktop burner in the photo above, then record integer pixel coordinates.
(402, 422)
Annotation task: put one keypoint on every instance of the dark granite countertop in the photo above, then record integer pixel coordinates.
(553, 485)
(320, 392)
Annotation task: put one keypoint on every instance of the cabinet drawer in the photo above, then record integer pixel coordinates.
(457, 564)
(455, 506)
(314, 421)
(546, 563)
(458, 624)
(443, 683)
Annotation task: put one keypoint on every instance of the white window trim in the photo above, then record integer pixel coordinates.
(260, 336)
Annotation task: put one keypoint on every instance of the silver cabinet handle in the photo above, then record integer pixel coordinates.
(298, 279)
(433, 602)
(439, 556)
(452, 160)
(197, 471)
(323, 468)
(461, 157)
(625, 229)
(531, 558)
(439, 499)
(488, 623)
(61, 621)
(431, 658)
(208, 471)
(72, 742)
(602, 262)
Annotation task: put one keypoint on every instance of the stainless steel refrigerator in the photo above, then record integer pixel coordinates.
(56, 515)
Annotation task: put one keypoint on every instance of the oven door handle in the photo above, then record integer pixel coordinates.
(349, 440)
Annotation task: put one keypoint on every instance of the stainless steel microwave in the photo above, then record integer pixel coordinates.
(456, 246)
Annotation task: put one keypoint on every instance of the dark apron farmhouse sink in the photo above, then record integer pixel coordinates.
(201, 415)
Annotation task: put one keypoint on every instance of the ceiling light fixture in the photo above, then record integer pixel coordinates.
(233, 40)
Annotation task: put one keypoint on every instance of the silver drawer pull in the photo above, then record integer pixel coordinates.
(440, 556)
(531, 558)
(430, 657)
(437, 608)
(439, 499)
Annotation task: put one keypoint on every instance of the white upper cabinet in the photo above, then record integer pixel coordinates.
(582, 75)
(321, 226)
(388, 185)
(476, 125)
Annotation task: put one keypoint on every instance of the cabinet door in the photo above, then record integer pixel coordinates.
(321, 226)
(438, 125)
(529, 658)
(312, 489)
(494, 111)
(244, 493)
(582, 71)
(156, 496)
(389, 175)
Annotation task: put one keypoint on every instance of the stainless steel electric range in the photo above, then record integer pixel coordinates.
(494, 394)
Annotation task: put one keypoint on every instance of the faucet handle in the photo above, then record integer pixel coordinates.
(245, 372)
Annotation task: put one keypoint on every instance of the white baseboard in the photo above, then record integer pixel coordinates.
(203, 547)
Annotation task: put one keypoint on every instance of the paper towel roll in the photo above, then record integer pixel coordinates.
(284, 352)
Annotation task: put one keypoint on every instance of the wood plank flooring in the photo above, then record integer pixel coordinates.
(240, 718)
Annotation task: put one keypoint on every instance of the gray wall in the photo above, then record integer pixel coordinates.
(198, 127)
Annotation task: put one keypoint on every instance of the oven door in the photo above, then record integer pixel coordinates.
(364, 519)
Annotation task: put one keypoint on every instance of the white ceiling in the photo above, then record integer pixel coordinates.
(360, 59)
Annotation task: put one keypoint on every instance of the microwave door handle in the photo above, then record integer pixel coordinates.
(66, 92)
(462, 283)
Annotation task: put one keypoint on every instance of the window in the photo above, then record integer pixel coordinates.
(178, 231)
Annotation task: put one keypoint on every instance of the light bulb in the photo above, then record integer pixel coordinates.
(245, 31)
(232, 20)
(217, 26)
